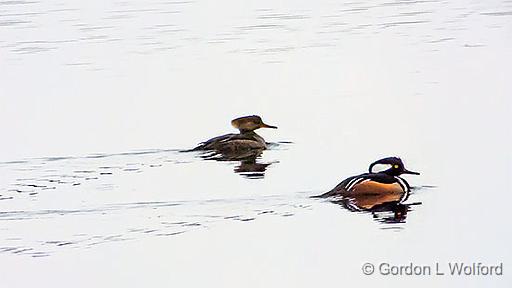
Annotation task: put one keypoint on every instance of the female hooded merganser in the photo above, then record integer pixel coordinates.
(384, 184)
(245, 141)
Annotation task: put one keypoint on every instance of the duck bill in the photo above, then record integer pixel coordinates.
(268, 126)
(410, 172)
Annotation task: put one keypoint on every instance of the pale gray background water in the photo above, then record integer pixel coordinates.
(85, 84)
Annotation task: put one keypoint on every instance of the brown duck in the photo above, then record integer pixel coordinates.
(241, 143)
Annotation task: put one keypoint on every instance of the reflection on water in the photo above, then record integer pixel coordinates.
(386, 213)
(249, 162)
(250, 168)
(384, 208)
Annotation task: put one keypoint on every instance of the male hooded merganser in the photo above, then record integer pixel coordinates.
(246, 140)
(384, 183)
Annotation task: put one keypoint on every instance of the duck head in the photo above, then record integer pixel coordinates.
(249, 123)
(391, 165)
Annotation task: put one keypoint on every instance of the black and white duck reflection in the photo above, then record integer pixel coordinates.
(382, 191)
(246, 146)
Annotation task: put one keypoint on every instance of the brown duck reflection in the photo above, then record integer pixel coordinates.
(250, 165)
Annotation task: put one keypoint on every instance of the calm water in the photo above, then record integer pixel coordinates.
(97, 100)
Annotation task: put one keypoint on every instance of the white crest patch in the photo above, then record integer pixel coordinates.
(380, 167)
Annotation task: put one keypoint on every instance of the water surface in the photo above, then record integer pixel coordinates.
(97, 99)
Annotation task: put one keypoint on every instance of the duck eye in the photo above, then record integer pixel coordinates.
(396, 166)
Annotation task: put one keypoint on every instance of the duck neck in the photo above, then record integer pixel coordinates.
(252, 134)
(246, 131)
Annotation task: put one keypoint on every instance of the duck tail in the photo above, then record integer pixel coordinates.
(197, 148)
(326, 194)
